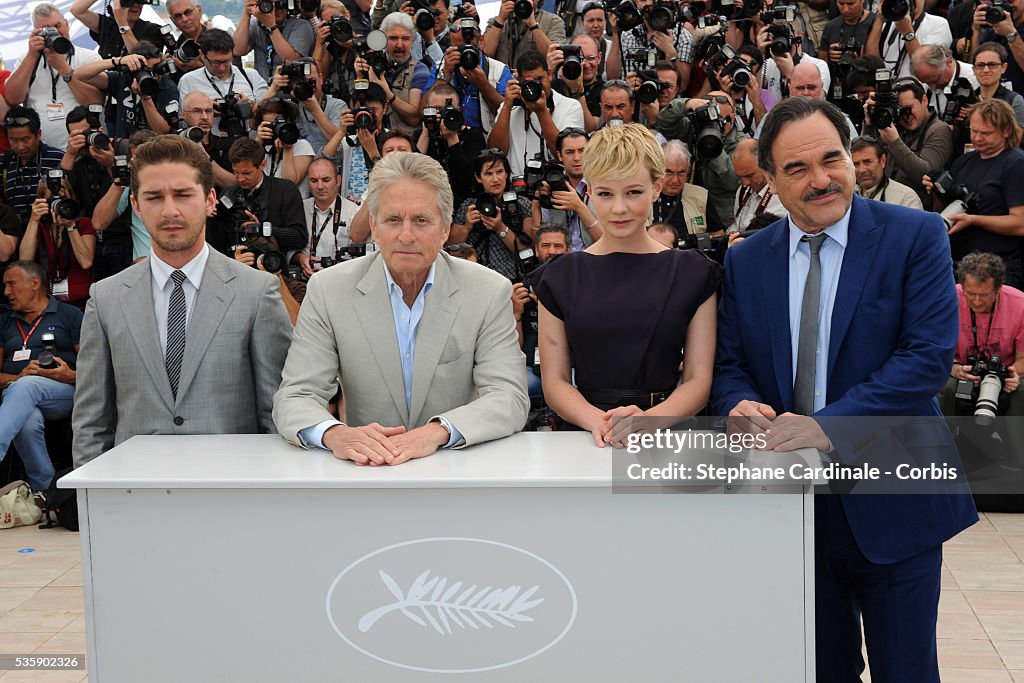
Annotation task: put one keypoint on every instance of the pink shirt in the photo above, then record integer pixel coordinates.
(1006, 337)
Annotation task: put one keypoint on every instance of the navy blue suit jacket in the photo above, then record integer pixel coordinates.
(892, 336)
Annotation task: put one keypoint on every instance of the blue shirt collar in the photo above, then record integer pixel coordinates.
(839, 232)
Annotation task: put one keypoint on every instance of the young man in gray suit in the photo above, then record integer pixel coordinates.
(424, 345)
(187, 341)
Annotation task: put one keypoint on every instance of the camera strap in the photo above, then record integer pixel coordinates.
(892, 33)
(336, 217)
(988, 332)
(21, 330)
(231, 85)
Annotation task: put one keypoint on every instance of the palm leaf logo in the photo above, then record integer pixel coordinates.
(435, 603)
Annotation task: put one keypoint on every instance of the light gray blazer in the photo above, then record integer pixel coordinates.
(236, 343)
(468, 365)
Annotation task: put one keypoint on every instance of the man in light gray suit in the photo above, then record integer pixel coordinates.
(187, 341)
(424, 345)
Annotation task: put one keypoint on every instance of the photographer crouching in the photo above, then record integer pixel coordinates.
(988, 361)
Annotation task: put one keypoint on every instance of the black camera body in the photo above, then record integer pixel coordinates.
(707, 128)
(65, 207)
(779, 14)
(96, 139)
(48, 356)
(959, 198)
(782, 40)
(894, 10)
(532, 90)
(248, 234)
(300, 84)
(54, 40)
(643, 58)
(341, 30)
(985, 397)
(650, 86)
(371, 48)
(523, 9)
(572, 66)
(469, 57)
(182, 48)
(234, 115)
(886, 110)
(449, 115)
(961, 97)
(122, 170)
(850, 50)
(997, 11)
(235, 206)
(426, 16)
(661, 16)
(628, 15)
(740, 73)
(284, 130)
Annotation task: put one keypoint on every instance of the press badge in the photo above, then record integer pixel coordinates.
(55, 111)
(22, 355)
(60, 290)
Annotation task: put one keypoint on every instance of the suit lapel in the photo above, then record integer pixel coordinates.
(373, 309)
(775, 300)
(140, 319)
(435, 325)
(211, 306)
(861, 243)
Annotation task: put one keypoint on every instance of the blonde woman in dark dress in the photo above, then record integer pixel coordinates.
(621, 312)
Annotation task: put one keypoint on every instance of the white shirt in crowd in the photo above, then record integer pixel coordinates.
(933, 30)
(525, 142)
(215, 88)
(322, 223)
(52, 112)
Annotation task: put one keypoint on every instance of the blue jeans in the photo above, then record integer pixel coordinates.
(27, 402)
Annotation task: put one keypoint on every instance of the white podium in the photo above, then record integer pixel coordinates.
(241, 558)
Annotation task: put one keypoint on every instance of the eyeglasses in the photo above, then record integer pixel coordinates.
(721, 99)
(218, 62)
(592, 60)
(677, 174)
(986, 66)
(196, 112)
(187, 13)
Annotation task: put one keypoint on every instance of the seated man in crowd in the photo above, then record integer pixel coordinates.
(869, 161)
(329, 216)
(38, 382)
(447, 380)
(682, 205)
(755, 197)
(991, 324)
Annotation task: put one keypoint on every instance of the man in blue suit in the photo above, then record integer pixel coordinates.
(848, 308)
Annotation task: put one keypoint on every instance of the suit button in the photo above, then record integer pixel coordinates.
(179, 421)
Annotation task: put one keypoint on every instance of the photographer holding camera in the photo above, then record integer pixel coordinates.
(724, 74)
(356, 147)
(991, 328)
(27, 161)
(232, 90)
(1002, 22)
(88, 159)
(844, 37)
(481, 87)
(900, 28)
(275, 200)
(38, 373)
(991, 173)
(289, 156)
(586, 87)
(405, 78)
(781, 42)
(329, 218)
(527, 100)
(334, 51)
(521, 27)
(138, 88)
(989, 61)
(187, 17)
(569, 205)
(446, 138)
(61, 240)
(869, 160)
(197, 112)
(498, 223)
(935, 67)
(44, 80)
(918, 141)
(274, 37)
(114, 215)
(708, 128)
(665, 36)
(119, 29)
(318, 115)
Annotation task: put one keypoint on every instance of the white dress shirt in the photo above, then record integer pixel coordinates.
(163, 286)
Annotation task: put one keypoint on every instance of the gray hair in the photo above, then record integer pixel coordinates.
(932, 55)
(398, 19)
(411, 166)
(677, 148)
(31, 269)
(981, 267)
(45, 9)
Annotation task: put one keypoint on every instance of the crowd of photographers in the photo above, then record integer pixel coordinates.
(931, 90)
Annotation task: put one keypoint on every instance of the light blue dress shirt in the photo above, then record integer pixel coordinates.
(831, 256)
(407, 321)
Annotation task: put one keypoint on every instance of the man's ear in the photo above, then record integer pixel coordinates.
(770, 177)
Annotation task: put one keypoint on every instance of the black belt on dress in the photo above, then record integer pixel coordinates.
(625, 397)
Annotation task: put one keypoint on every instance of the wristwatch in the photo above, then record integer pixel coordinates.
(68, 76)
(1011, 37)
(123, 29)
(503, 233)
(907, 37)
(71, 228)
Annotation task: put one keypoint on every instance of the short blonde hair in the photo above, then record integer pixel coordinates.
(412, 166)
(616, 152)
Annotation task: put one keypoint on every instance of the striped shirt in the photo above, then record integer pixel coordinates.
(21, 181)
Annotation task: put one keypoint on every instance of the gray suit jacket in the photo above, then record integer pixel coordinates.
(468, 365)
(236, 343)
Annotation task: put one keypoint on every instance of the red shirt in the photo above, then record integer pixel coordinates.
(999, 333)
(63, 264)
